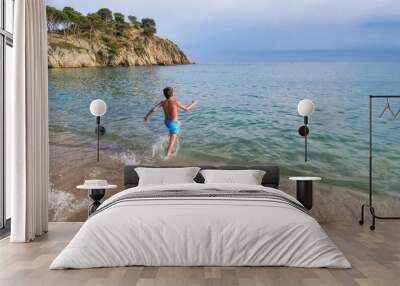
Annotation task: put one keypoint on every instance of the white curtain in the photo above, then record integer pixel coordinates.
(27, 124)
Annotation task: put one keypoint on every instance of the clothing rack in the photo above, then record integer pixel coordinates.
(369, 205)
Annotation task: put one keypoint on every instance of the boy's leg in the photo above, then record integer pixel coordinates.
(171, 143)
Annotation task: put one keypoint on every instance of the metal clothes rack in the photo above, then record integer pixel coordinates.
(369, 205)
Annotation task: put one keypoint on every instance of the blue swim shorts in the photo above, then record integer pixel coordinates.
(173, 126)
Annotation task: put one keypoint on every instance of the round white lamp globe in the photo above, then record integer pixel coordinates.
(98, 107)
(305, 107)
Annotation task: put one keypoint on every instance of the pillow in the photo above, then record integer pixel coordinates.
(166, 176)
(248, 177)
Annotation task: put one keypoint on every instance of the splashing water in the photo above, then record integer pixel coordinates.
(128, 158)
(64, 204)
(160, 148)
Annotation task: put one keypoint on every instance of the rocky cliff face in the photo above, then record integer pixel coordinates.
(104, 50)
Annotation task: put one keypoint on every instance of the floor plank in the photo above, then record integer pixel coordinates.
(375, 257)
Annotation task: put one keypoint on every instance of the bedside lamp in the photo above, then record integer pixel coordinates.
(98, 108)
(305, 108)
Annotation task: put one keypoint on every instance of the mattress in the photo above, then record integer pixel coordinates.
(201, 225)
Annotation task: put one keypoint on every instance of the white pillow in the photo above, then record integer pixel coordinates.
(248, 177)
(165, 176)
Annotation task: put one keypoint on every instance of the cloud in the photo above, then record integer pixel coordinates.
(276, 11)
(382, 24)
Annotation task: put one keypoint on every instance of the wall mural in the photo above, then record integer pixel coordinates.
(240, 114)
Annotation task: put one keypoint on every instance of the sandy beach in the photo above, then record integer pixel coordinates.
(73, 159)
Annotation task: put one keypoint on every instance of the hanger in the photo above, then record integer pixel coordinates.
(386, 107)
(397, 114)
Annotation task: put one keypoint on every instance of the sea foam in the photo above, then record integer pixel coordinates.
(64, 204)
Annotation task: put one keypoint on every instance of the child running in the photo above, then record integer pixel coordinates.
(170, 107)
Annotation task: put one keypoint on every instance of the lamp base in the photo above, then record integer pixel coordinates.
(101, 129)
(303, 130)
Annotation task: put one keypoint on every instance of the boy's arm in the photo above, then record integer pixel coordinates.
(152, 110)
(186, 107)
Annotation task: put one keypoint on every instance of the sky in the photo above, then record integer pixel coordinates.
(257, 30)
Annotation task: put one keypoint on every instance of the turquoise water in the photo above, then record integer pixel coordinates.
(247, 114)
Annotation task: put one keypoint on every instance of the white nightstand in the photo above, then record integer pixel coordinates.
(304, 190)
(96, 193)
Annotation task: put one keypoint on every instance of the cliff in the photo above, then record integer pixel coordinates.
(135, 49)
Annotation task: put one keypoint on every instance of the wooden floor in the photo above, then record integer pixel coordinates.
(375, 257)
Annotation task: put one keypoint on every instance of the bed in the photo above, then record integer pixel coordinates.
(198, 224)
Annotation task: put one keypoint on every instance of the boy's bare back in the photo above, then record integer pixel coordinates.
(170, 107)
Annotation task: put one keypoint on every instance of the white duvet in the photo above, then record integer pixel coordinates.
(200, 231)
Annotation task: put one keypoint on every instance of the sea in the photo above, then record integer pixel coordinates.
(246, 115)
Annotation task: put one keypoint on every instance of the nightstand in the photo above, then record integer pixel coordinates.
(304, 190)
(96, 190)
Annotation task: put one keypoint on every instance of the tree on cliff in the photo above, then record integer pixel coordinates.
(68, 20)
(133, 20)
(149, 26)
(73, 20)
(95, 22)
(55, 18)
(120, 24)
(106, 15)
(119, 17)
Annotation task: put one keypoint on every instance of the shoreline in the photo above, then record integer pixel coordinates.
(119, 66)
(73, 159)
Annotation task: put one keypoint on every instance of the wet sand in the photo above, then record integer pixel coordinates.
(73, 159)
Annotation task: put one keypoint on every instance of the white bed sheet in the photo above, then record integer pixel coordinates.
(200, 232)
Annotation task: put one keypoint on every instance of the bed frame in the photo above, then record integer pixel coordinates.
(271, 177)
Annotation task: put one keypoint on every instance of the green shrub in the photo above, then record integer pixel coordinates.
(112, 46)
(149, 26)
